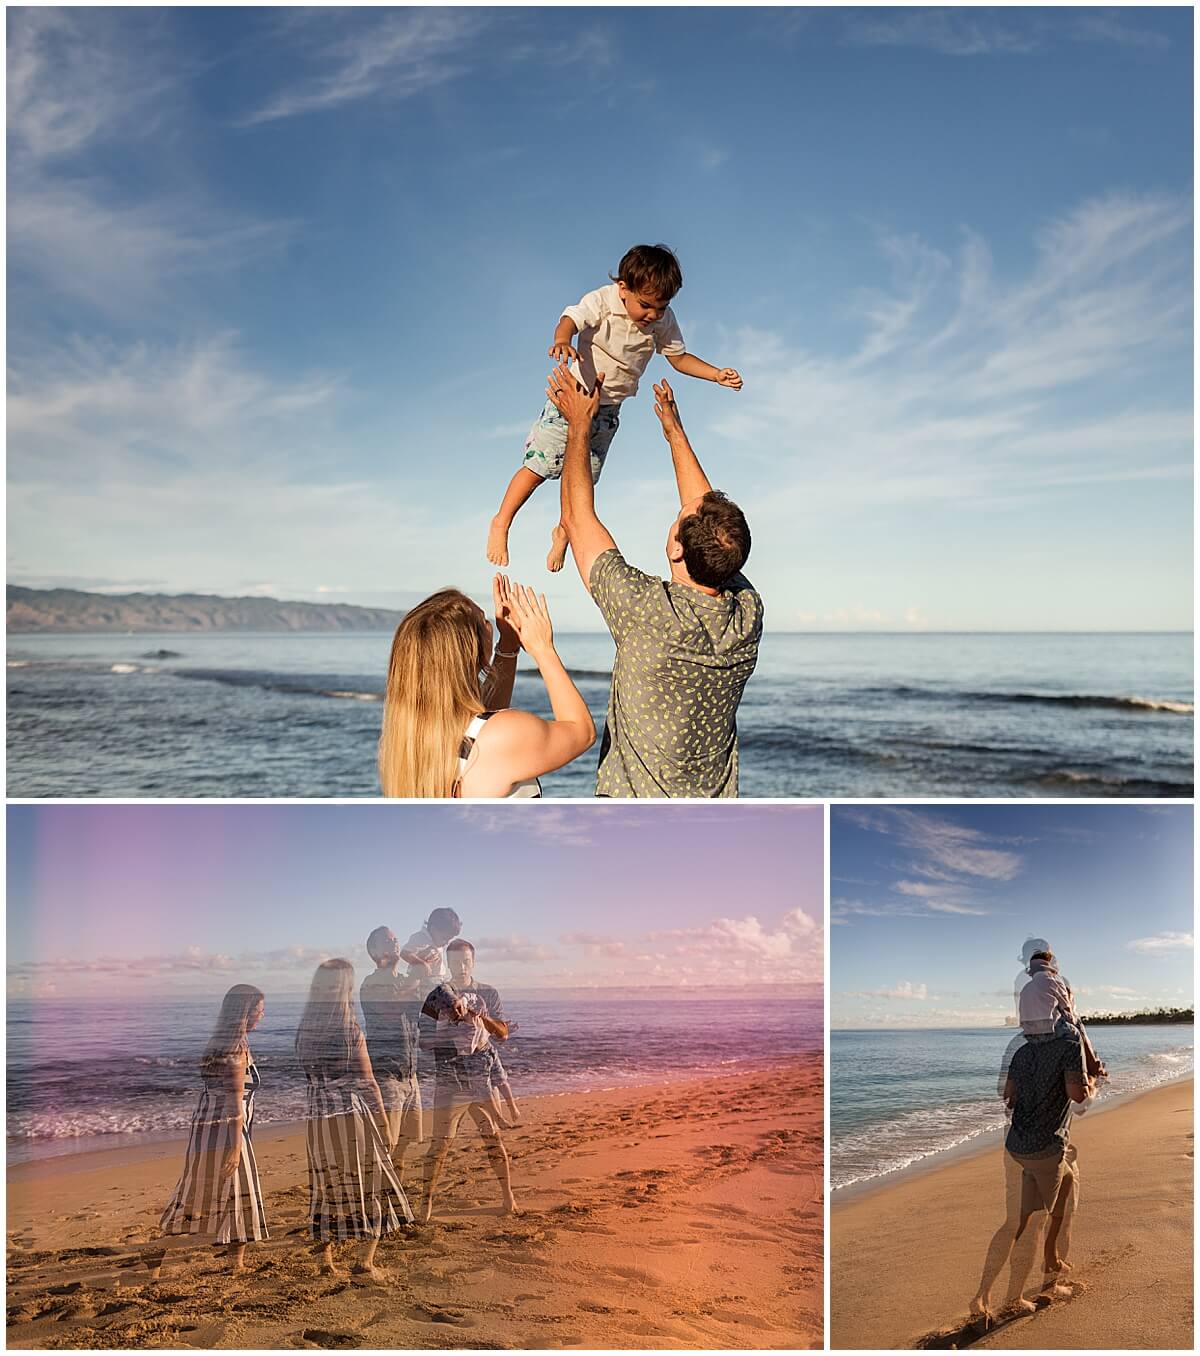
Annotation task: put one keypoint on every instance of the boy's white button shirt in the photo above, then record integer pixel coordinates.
(609, 342)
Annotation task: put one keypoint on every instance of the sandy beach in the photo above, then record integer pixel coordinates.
(679, 1216)
(905, 1259)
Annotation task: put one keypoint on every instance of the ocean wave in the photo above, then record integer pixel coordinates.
(123, 668)
(880, 1149)
(910, 1138)
(1083, 783)
(1165, 705)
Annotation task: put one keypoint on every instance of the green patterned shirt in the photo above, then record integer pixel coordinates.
(683, 658)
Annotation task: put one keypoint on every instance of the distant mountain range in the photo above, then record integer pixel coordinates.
(76, 610)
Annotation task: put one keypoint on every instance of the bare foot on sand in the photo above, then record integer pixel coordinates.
(558, 550)
(509, 1205)
(497, 546)
(981, 1307)
(371, 1275)
(1053, 1291)
(328, 1269)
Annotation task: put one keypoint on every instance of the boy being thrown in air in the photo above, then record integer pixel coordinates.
(620, 328)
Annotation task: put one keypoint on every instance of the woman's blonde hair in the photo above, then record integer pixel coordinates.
(229, 1035)
(327, 1025)
(434, 689)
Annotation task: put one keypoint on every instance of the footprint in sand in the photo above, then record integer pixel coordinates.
(322, 1337)
(427, 1313)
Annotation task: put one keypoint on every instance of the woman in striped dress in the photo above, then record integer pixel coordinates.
(354, 1192)
(218, 1197)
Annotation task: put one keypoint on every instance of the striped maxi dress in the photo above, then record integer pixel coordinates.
(205, 1202)
(352, 1186)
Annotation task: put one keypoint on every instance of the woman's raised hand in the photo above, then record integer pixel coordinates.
(507, 637)
(530, 618)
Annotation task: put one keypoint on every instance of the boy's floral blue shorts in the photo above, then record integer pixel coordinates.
(546, 445)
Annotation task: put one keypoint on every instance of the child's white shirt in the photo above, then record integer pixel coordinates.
(609, 342)
(419, 943)
(1042, 1001)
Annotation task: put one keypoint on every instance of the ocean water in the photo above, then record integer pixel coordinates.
(106, 1074)
(898, 1098)
(823, 716)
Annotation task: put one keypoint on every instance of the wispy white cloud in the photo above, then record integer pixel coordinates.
(511, 950)
(120, 258)
(953, 32)
(398, 55)
(74, 81)
(1161, 944)
(905, 991)
(127, 453)
(967, 32)
(79, 80)
(394, 54)
(940, 848)
(966, 387)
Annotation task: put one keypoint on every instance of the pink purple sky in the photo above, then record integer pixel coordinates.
(191, 898)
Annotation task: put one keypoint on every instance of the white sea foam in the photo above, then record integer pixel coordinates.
(124, 668)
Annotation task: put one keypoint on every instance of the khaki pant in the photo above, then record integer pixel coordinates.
(1042, 1180)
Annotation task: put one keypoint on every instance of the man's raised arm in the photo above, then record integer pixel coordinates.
(689, 474)
(586, 533)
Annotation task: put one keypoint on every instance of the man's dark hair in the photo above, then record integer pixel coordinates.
(459, 944)
(377, 941)
(652, 270)
(715, 541)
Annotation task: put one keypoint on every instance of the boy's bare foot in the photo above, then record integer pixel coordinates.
(497, 546)
(509, 1205)
(981, 1307)
(424, 1212)
(329, 1269)
(558, 550)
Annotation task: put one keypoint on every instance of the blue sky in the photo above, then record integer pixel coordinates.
(281, 284)
(930, 908)
(190, 899)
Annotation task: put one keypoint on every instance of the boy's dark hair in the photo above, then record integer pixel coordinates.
(715, 541)
(447, 918)
(459, 944)
(652, 270)
(1042, 955)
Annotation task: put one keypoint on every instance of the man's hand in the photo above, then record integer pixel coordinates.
(233, 1156)
(571, 400)
(667, 410)
(564, 353)
(728, 377)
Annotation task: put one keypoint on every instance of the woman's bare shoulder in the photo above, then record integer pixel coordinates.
(502, 728)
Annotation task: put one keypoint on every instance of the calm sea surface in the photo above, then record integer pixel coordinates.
(103, 1074)
(824, 715)
(897, 1097)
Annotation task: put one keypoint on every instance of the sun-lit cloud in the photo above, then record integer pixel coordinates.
(1162, 944)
